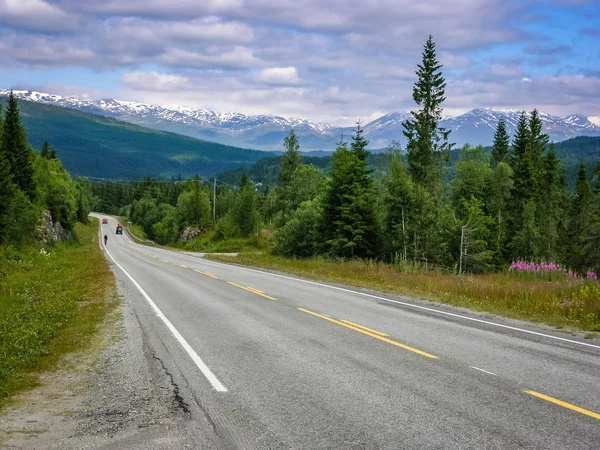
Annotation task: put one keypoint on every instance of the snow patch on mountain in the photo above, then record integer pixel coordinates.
(266, 132)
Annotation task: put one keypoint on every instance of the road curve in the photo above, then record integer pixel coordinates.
(277, 362)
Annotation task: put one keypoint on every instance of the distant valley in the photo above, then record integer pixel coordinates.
(266, 132)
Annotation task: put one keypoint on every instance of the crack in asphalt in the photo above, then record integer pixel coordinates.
(179, 401)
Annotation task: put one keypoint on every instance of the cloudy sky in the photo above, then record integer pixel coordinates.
(326, 60)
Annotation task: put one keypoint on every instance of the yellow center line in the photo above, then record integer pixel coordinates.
(163, 260)
(250, 290)
(208, 274)
(381, 338)
(564, 404)
(152, 256)
(181, 265)
(364, 328)
(255, 290)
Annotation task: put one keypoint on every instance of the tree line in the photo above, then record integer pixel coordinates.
(509, 205)
(32, 182)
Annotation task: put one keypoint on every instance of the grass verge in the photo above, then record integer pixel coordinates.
(52, 301)
(560, 302)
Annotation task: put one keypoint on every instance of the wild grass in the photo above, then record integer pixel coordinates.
(561, 302)
(52, 301)
(211, 243)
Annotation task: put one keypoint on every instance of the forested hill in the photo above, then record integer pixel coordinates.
(571, 152)
(95, 146)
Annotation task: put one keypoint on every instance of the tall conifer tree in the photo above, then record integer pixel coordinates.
(501, 148)
(290, 160)
(16, 149)
(426, 141)
(580, 218)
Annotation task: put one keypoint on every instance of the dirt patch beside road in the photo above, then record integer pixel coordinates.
(114, 394)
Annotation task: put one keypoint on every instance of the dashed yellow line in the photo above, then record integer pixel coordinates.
(364, 328)
(164, 260)
(208, 274)
(368, 333)
(181, 265)
(564, 404)
(251, 290)
(152, 256)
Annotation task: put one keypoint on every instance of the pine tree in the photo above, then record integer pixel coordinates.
(15, 147)
(45, 151)
(426, 141)
(52, 154)
(291, 159)
(245, 212)
(501, 148)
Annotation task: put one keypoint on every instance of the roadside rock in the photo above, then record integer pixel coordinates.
(50, 231)
(192, 232)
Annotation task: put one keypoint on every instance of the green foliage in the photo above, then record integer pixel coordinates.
(19, 222)
(58, 191)
(300, 236)
(193, 206)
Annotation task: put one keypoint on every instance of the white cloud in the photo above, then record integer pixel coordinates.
(279, 76)
(154, 81)
(35, 15)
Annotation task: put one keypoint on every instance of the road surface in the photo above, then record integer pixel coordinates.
(276, 362)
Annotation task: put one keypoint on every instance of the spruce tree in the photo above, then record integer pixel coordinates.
(580, 222)
(550, 205)
(7, 190)
(45, 151)
(245, 212)
(291, 159)
(349, 225)
(426, 141)
(15, 147)
(538, 142)
(501, 148)
(522, 192)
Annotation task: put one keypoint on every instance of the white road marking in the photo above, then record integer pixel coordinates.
(410, 305)
(190, 351)
(481, 370)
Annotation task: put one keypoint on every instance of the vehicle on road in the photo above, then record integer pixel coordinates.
(105, 220)
(119, 229)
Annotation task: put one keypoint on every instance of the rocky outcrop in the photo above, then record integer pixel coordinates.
(50, 232)
(192, 232)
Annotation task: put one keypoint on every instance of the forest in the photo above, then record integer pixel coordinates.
(505, 206)
(32, 182)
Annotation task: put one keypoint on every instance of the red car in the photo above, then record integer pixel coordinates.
(104, 220)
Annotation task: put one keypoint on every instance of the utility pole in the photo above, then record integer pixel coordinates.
(215, 199)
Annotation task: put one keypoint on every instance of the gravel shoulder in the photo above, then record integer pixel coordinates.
(116, 394)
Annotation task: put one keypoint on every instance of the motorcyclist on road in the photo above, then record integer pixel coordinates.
(105, 239)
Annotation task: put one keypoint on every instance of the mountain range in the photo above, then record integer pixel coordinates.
(105, 148)
(265, 132)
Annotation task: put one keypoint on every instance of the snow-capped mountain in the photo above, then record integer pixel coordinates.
(267, 132)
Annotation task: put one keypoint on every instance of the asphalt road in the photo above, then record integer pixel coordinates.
(276, 362)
